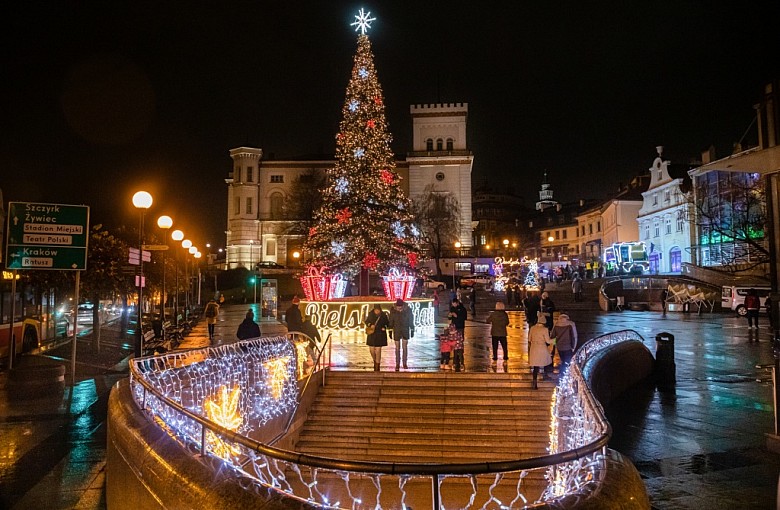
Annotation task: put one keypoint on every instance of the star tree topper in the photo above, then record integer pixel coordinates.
(362, 21)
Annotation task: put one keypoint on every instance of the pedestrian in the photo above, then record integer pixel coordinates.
(458, 315)
(446, 340)
(753, 305)
(293, 315)
(538, 353)
(510, 295)
(211, 313)
(309, 329)
(458, 342)
(768, 306)
(576, 287)
(473, 301)
(664, 295)
(402, 326)
(565, 334)
(376, 333)
(498, 320)
(531, 305)
(547, 307)
(248, 328)
(435, 304)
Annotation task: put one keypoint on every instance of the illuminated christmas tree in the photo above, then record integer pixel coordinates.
(365, 220)
(532, 278)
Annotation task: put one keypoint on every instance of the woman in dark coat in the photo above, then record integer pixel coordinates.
(378, 339)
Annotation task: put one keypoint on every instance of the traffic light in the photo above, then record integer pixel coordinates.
(252, 280)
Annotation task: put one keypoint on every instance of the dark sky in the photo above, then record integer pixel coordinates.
(100, 99)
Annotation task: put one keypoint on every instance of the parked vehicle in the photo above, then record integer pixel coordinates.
(430, 283)
(477, 280)
(267, 264)
(733, 297)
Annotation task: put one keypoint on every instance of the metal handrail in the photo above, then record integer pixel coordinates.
(407, 468)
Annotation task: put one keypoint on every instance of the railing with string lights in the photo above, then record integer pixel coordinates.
(218, 401)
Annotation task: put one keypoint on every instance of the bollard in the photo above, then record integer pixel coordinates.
(665, 370)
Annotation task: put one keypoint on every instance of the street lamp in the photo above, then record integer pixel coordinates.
(142, 200)
(177, 235)
(186, 244)
(197, 256)
(457, 247)
(164, 222)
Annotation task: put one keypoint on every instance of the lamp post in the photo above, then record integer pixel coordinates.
(454, 261)
(164, 222)
(190, 288)
(176, 235)
(197, 256)
(142, 200)
(186, 244)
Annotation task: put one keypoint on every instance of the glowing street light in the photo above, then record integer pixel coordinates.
(177, 235)
(142, 200)
(164, 222)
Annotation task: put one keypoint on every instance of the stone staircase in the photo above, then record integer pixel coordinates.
(438, 417)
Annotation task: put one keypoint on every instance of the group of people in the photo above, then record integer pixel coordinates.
(398, 324)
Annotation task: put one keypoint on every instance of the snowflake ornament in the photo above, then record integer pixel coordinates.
(362, 21)
(342, 185)
(398, 229)
(363, 73)
(338, 247)
(359, 152)
(353, 105)
(415, 231)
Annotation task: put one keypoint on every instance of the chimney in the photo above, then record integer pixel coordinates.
(708, 156)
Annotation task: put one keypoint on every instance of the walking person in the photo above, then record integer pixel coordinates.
(576, 287)
(547, 307)
(664, 296)
(473, 301)
(402, 326)
(538, 355)
(753, 305)
(248, 328)
(435, 304)
(376, 333)
(565, 334)
(293, 316)
(211, 312)
(498, 320)
(458, 315)
(531, 305)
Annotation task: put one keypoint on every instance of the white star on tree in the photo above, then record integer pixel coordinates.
(338, 247)
(362, 21)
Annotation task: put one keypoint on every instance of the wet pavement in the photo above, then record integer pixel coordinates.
(701, 446)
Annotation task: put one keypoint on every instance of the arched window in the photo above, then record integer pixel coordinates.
(450, 144)
(429, 144)
(277, 201)
(439, 144)
(675, 260)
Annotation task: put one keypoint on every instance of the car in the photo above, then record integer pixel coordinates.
(432, 283)
(267, 264)
(477, 280)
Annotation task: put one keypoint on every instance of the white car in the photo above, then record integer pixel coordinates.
(431, 283)
(477, 280)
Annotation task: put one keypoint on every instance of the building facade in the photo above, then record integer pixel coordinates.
(665, 218)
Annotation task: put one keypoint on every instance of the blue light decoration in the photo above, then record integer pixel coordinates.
(363, 73)
(359, 152)
(415, 231)
(362, 21)
(338, 247)
(342, 185)
(398, 229)
(353, 105)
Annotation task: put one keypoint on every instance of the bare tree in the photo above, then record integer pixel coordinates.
(307, 192)
(437, 213)
(731, 219)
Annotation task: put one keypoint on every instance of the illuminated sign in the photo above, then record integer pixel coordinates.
(9, 275)
(349, 315)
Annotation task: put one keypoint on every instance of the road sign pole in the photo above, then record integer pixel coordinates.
(12, 335)
(75, 330)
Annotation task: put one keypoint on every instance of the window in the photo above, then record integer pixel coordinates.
(277, 178)
(557, 234)
(429, 144)
(450, 144)
(667, 195)
(583, 230)
(675, 260)
(482, 239)
(250, 170)
(679, 224)
(590, 228)
(565, 232)
(647, 231)
(657, 229)
(237, 205)
(655, 198)
(598, 226)
(668, 225)
(277, 201)
(440, 176)
(270, 247)
(249, 205)
(439, 144)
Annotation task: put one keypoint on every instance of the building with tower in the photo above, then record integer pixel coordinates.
(440, 158)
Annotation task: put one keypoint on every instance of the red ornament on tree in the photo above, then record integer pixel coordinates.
(343, 215)
(312, 231)
(378, 100)
(387, 177)
(370, 124)
(412, 258)
(370, 261)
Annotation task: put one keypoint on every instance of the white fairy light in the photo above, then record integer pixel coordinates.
(362, 21)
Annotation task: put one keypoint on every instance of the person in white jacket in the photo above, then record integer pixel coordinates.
(565, 334)
(538, 355)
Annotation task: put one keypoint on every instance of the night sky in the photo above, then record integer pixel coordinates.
(101, 99)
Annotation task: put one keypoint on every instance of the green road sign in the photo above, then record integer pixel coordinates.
(46, 236)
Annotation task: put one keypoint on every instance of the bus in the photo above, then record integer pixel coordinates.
(34, 320)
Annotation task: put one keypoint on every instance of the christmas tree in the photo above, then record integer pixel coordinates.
(532, 278)
(365, 220)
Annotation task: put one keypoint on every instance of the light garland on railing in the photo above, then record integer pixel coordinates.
(258, 371)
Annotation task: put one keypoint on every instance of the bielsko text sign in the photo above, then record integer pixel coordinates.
(46, 236)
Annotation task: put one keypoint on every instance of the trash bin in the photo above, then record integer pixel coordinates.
(665, 369)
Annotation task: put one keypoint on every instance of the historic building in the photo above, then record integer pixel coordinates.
(619, 213)
(665, 218)
(266, 223)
